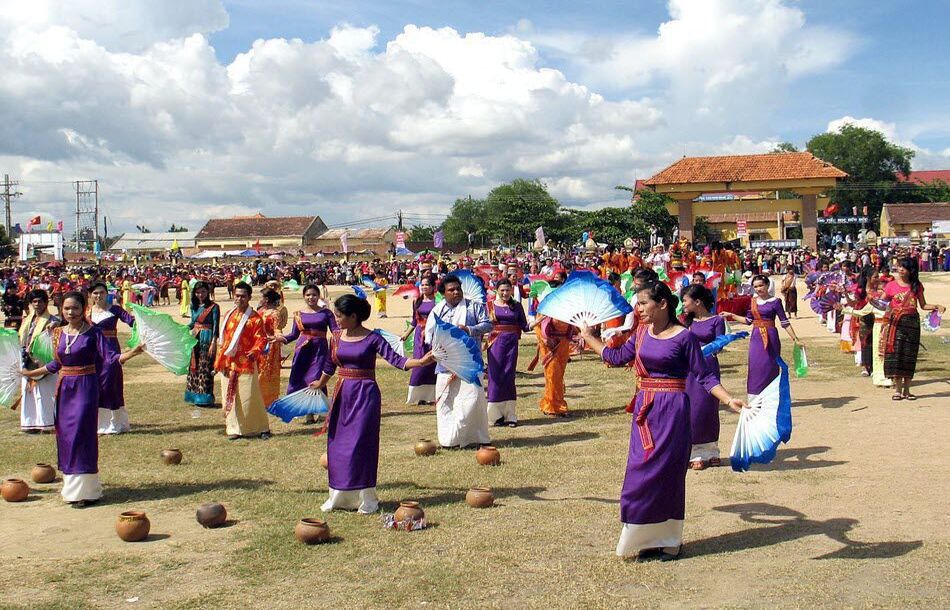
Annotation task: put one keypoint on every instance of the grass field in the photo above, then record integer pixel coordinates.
(853, 511)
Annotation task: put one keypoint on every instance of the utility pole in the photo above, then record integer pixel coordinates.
(8, 195)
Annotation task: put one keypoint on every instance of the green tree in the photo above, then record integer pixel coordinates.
(702, 230)
(872, 164)
(934, 191)
(7, 248)
(609, 225)
(466, 218)
(177, 229)
(514, 210)
(784, 147)
(421, 233)
(650, 207)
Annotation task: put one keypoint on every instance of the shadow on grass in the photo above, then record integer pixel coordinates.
(800, 459)
(828, 402)
(545, 441)
(781, 524)
(440, 496)
(157, 429)
(164, 491)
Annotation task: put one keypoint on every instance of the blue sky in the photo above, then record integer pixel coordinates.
(899, 73)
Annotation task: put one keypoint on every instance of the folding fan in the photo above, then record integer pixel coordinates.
(302, 402)
(719, 343)
(764, 424)
(932, 322)
(626, 284)
(472, 287)
(584, 299)
(407, 291)
(409, 344)
(370, 283)
(291, 286)
(800, 359)
(393, 341)
(10, 364)
(167, 341)
(538, 288)
(455, 350)
(42, 347)
(359, 292)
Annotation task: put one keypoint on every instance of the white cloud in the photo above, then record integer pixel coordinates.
(351, 126)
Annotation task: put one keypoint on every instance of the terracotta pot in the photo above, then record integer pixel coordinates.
(14, 490)
(211, 514)
(171, 457)
(43, 473)
(312, 531)
(132, 526)
(409, 511)
(426, 447)
(479, 497)
(488, 456)
(325, 461)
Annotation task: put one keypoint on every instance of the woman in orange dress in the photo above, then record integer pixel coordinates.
(271, 360)
(554, 350)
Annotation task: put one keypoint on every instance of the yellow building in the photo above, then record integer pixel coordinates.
(901, 219)
(289, 233)
(377, 241)
(692, 180)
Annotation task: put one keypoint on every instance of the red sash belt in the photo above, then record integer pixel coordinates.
(344, 374)
(314, 333)
(76, 371)
(650, 386)
(202, 326)
(507, 328)
(109, 333)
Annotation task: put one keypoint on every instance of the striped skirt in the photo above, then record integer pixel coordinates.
(902, 361)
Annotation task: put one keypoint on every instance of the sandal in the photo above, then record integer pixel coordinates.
(909, 397)
(897, 397)
(697, 465)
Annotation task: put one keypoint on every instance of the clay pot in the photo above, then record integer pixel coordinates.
(479, 497)
(132, 526)
(312, 531)
(14, 490)
(43, 473)
(409, 511)
(488, 456)
(171, 457)
(211, 514)
(325, 461)
(426, 447)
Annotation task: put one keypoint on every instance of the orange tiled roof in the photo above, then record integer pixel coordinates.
(916, 213)
(745, 168)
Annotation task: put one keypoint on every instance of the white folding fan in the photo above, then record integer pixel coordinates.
(764, 424)
(584, 299)
(473, 288)
(393, 340)
(167, 341)
(454, 349)
(10, 364)
(299, 404)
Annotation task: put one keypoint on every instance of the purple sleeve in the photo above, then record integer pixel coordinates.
(749, 318)
(619, 356)
(294, 332)
(388, 354)
(719, 326)
(697, 363)
(331, 322)
(522, 319)
(780, 312)
(329, 367)
(54, 366)
(123, 315)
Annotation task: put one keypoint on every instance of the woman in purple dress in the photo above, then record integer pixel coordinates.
(354, 419)
(703, 407)
(653, 499)
(509, 321)
(422, 379)
(81, 353)
(309, 330)
(764, 344)
(113, 418)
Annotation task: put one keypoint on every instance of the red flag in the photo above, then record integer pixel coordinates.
(35, 221)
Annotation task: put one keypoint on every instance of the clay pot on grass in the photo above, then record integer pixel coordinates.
(43, 473)
(171, 457)
(312, 531)
(479, 497)
(132, 526)
(426, 447)
(14, 490)
(211, 514)
(488, 456)
(409, 511)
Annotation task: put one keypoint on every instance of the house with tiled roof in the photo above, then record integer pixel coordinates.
(903, 219)
(272, 233)
(376, 240)
(736, 191)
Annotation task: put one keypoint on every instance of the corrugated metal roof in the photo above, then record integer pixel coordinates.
(154, 241)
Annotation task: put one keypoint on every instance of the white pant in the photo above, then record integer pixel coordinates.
(363, 501)
(114, 421)
(461, 412)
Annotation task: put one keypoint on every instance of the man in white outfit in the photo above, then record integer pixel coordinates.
(461, 407)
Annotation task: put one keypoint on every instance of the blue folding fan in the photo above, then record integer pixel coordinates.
(359, 292)
(455, 350)
(393, 340)
(765, 424)
(584, 299)
(370, 283)
(473, 288)
(719, 343)
(302, 402)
